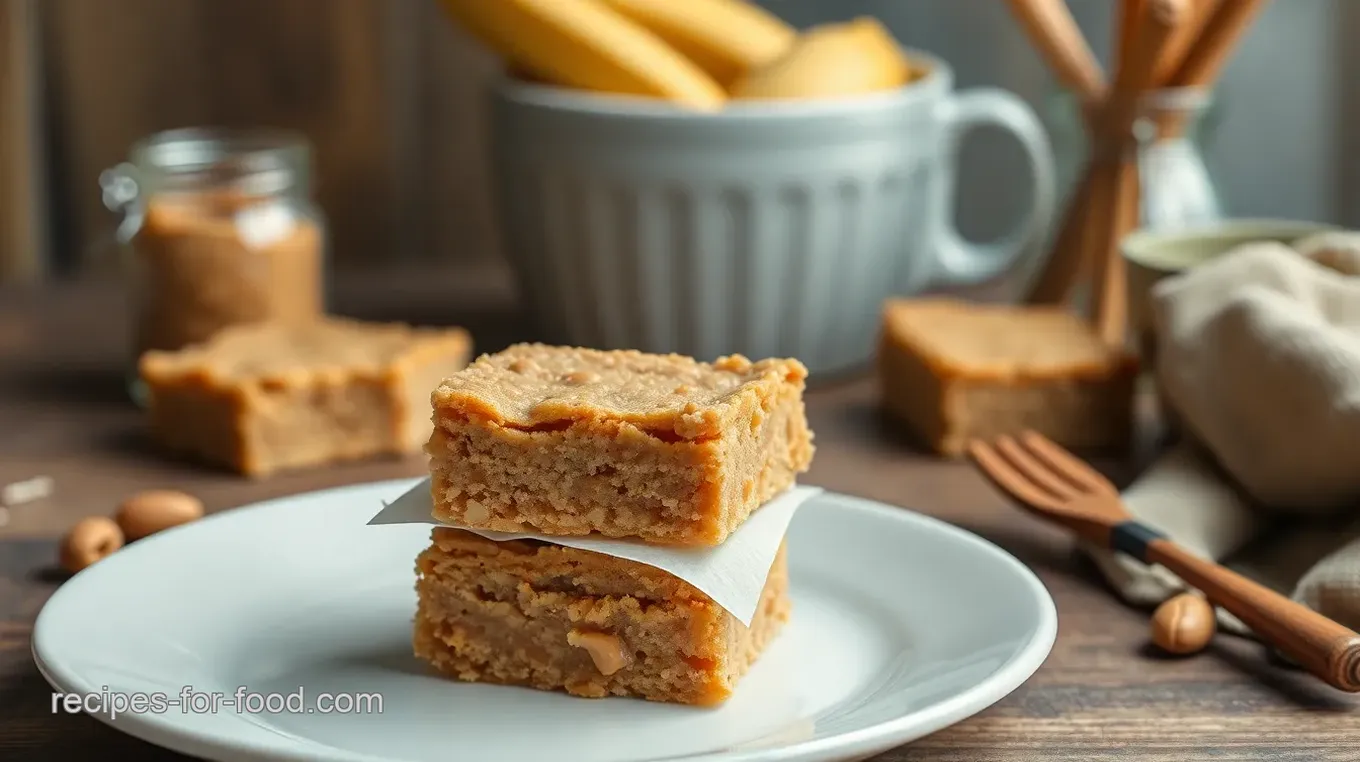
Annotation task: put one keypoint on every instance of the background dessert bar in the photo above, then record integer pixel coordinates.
(953, 372)
(267, 397)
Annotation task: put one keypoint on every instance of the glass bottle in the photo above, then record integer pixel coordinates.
(219, 229)
(1175, 187)
(1176, 190)
(1174, 127)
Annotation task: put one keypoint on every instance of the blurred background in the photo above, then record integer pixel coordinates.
(390, 94)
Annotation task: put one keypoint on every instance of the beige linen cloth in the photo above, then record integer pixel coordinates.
(1258, 355)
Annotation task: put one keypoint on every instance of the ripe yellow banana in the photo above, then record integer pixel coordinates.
(726, 38)
(832, 60)
(585, 44)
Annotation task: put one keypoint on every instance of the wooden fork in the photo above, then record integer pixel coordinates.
(1056, 485)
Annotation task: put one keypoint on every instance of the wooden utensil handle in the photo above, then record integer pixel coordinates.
(1320, 645)
(1116, 217)
(1050, 24)
(1063, 270)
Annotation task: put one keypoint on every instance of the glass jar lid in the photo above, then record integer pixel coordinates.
(255, 162)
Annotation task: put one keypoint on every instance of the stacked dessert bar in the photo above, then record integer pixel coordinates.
(559, 441)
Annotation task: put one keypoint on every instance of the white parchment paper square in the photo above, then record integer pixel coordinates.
(732, 574)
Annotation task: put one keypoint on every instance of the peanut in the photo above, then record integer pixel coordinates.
(147, 513)
(476, 513)
(605, 650)
(1184, 624)
(26, 491)
(579, 377)
(90, 540)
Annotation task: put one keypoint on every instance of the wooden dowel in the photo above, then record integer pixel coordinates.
(1050, 25)
(1159, 22)
(1155, 22)
(1183, 40)
(1159, 43)
(1153, 30)
(1063, 269)
(1125, 30)
(1213, 46)
(1117, 218)
(1051, 20)
(1082, 228)
(1215, 43)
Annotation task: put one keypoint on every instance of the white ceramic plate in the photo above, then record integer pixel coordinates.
(901, 626)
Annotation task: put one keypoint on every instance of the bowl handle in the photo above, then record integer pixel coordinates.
(959, 262)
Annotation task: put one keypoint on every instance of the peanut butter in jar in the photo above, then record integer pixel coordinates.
(219, 231)
(206, 264)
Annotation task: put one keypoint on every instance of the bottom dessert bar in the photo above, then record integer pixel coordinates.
(534, 614)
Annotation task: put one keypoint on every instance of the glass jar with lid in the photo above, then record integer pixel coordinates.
(1173, 129)
(219, 229)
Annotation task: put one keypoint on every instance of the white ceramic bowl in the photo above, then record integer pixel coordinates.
(766, 229)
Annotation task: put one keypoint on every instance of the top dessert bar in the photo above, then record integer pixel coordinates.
(659, 448)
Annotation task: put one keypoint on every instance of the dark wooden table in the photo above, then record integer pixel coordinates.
(1102, 693)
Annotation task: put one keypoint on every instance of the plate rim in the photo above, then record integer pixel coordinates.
(851, 744)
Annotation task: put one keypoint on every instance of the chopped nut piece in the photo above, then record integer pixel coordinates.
(156, 510)
(476, 512)
(582, 377)
(26, 491)
(90, 540)
(606, 650)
